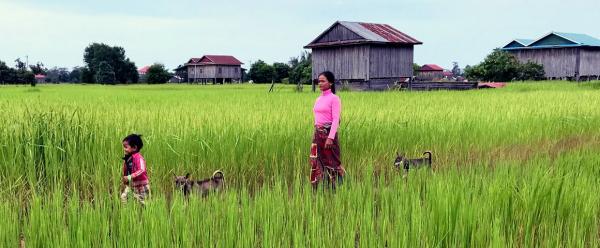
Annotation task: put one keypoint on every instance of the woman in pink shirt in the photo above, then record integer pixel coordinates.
(325, 149)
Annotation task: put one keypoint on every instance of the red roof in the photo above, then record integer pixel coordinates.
(216, 60)
(40, 76)
(431, 67)
(389, 33)
(144, 69)
(194, 60)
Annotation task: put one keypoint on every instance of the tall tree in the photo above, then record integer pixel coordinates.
(124, 70)
(38, 68)
(57, 75)
(23, 76)
(75, 75)
(456, 69)
(7, 75)
(87, 76)
(280, 71)
(301, 69)
(261, 72)
(20, 65)
(128, 73)
(26, 77)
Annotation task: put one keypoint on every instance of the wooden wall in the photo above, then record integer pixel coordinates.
(363, 62)
(557, 62)
(589, 62)
(338, 33)
(563, 62)
(430, 75)
(212, 71)
(391, 61)
(346, 62)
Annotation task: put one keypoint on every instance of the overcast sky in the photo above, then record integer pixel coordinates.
(172, 31)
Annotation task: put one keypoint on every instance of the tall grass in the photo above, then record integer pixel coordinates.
(514, 167)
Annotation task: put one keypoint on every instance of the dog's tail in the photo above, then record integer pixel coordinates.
(218, 173)
(428, 156)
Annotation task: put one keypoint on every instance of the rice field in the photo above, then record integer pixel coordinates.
(513, 167)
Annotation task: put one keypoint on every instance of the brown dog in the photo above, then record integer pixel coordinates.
(215, 183)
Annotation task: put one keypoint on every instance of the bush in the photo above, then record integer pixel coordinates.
(501, 66)
(531, 71)
(157, 74)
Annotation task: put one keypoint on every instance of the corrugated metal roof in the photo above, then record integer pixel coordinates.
(388, 33)
(524, 42)
(578, 40)
(582, 39)
(369, 32)
(518, 43)
(361, 31)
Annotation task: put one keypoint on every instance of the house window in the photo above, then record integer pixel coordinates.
(200, 70)
(220, 70)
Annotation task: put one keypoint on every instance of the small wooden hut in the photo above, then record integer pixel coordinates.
(363, 55)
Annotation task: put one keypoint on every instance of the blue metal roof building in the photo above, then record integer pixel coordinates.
(563, 55)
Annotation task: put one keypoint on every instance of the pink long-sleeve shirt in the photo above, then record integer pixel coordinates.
(139, 176)
(327, 111)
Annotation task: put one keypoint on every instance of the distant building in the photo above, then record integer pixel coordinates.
(211, 69)
(430, 72)
(365, 55)
(448, 74)
(563, 55)
(142, 71)
(40, 78)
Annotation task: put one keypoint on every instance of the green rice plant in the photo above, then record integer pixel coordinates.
(513, 167)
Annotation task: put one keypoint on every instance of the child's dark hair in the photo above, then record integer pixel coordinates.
(134, 140)
(331, 78)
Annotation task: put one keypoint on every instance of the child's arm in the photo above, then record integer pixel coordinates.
(124, 179)
(139, 167)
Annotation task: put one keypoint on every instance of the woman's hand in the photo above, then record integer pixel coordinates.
(125, 180)
(328, 143)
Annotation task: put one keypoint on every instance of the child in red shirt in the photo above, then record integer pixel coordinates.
(135, 176)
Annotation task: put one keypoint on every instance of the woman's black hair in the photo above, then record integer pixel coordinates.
(134, 140)
(331, 78)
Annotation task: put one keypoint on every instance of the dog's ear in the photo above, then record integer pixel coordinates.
(187, 176)
(400, 154)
